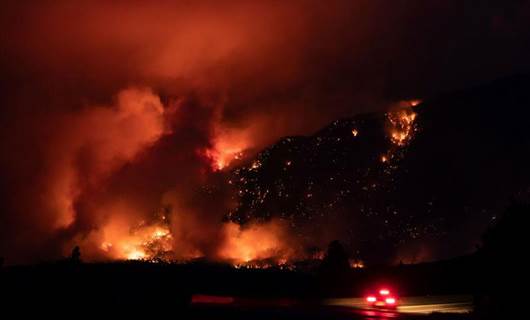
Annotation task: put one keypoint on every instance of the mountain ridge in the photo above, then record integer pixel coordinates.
(396, 195)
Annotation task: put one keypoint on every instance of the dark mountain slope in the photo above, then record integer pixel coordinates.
(427, 192)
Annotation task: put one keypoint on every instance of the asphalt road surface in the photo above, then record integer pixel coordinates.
(416, 305)
(431, 307)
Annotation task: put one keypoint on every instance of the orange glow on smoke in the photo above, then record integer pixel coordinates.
(408, 103)
(145, 244)
(415, 102)
(110, 136)
(258, 245)
(140, 242)
(229, 145)
(255, 242)
(222, 157)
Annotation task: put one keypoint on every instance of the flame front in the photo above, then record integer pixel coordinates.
(402, 126)
(255, 242)
(223, 156)
(141, 242)
(228, 146)
(247, 246)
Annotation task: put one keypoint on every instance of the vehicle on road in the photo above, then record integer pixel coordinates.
(383, 298)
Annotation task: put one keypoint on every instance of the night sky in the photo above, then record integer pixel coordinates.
(139, 130)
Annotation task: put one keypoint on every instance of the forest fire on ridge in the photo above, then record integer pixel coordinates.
(256, 242)
(241, 246)
(157, 105)
(402, 126)
(143, 242)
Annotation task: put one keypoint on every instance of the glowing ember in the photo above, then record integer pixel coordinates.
(355, 132)
(415, 102)
(318, 255)
(255, 165)
(356, 264)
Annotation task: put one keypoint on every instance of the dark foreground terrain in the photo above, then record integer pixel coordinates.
(482, 283)
(212, 291)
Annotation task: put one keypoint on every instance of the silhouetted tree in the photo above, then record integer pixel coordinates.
(76, 255)
(334, 271)
(336, 259)
(502, 261)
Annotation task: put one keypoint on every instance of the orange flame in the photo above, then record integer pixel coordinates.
(147, 243)
(222, 157)
(119, 240)
(229, 145)
(256, 242)
(402, 126)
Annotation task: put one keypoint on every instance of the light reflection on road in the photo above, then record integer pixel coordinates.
(227, 307)
(378, 314)
(417, 305)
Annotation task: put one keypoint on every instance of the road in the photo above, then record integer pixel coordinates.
(444, 307)
(417, 305)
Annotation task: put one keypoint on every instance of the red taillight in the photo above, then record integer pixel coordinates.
(384, 292)
(390, 300)
(371, 299)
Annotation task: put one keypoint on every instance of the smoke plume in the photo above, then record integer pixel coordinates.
(120, 118)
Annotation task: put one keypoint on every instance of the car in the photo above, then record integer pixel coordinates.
(383, 298)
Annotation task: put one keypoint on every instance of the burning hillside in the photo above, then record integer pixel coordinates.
(175, 130)
(164, 237)
(399, 177)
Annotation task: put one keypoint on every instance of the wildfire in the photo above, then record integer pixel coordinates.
(356, 264)
(228, 145)
(402, 123)
(221, 158)
(401, 126)
(255, 165)
(257, 245)
(143, 242)
(408, 103)
(414, 102)
(136, 255)
(256, 242)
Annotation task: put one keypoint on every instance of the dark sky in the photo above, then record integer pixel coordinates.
(113, 110)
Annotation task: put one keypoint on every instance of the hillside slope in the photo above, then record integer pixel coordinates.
(413, 184)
